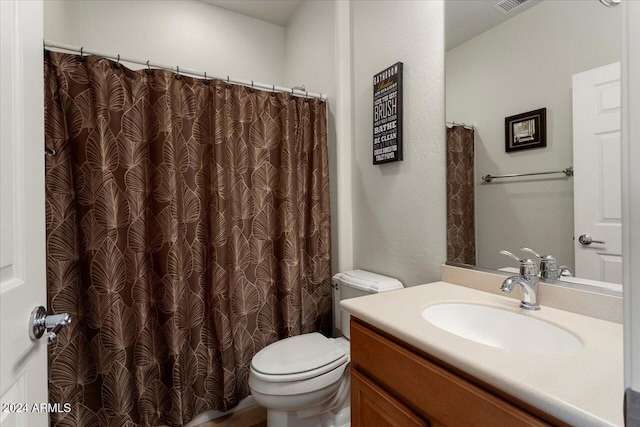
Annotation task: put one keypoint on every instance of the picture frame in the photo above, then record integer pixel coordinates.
(526, 130)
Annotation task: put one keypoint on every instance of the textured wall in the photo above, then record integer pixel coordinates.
(187, 33)
(524, 64)
(399, 209)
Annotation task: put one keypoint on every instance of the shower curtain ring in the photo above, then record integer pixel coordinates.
(252, 89)
(80, 58)
(273, 90)
(148, 66)
(118, 61)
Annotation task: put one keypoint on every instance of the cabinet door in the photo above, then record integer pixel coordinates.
(371, 406)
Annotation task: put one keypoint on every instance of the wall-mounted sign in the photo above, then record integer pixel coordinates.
(387, 115)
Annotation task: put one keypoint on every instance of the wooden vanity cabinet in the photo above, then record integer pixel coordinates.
(393, 384)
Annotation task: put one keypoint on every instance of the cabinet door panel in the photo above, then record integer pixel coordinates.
(371, 406)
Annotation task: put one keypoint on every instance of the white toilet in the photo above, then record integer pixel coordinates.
(303, 381)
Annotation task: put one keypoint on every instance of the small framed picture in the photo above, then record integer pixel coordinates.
(526, 130)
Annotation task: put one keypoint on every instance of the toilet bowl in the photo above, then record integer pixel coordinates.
(304, 381)
(298, 380)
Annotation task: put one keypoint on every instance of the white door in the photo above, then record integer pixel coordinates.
(597, 180)
(23, 362)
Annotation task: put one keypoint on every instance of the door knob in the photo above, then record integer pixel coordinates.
(586, 239)
(40, 322)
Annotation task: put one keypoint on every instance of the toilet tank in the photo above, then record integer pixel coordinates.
(357, 283)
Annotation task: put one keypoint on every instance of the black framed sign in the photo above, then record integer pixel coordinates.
(526, 130)
(387, 115)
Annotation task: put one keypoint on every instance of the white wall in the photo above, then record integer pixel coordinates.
(187, 33)
(524, 64)
(399, 208)
(310, 47)
(310, 61)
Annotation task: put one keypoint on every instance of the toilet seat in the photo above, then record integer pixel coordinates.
(317, 384)
(298, 358)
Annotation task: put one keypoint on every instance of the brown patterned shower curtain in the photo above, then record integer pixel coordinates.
(187, 228)
(461, 230)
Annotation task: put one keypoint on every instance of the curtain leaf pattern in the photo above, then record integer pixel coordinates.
(461, 230)
(187, 228)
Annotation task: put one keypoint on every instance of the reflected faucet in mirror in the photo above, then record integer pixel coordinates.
(549, 269)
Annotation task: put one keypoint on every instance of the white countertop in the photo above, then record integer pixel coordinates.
(583, 388)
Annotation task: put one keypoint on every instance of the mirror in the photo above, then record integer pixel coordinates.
(537, 85)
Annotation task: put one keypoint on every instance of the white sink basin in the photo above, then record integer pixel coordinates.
(501, 329)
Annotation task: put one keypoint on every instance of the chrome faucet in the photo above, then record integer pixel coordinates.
(549, 269)
(527, 281)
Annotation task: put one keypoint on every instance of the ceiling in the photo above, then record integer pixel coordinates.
(466, 19)
(276, 12)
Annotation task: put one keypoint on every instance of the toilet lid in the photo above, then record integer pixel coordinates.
(297, 354)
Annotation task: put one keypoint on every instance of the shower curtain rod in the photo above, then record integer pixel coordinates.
(179, 70)
(461, 124)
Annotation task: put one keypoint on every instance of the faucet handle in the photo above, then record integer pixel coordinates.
(532, 252)
(507, 253)
(564, 271)
(542, 257)
(527, 266)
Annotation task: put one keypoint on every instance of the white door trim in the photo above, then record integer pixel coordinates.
(630, 73)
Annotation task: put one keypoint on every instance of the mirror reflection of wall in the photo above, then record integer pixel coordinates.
(522, 64)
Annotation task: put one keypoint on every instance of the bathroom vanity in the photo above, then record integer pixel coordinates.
(406, 371)
(404, 386)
